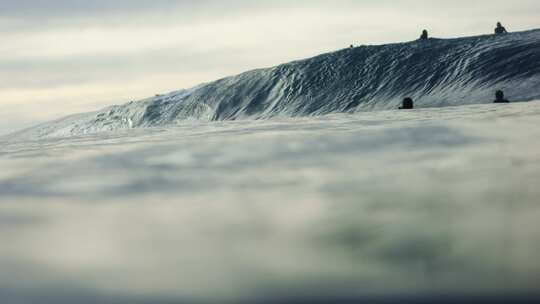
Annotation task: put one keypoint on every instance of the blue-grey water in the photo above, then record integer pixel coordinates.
(383, 204)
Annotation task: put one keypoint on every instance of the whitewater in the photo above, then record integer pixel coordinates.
(294, 184)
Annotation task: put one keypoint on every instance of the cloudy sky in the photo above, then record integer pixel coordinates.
(59, 57)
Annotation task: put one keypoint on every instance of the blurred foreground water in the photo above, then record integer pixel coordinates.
(384, 205)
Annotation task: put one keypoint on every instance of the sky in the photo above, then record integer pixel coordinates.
(60, 57)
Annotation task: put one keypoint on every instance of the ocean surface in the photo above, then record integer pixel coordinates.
(424, 204)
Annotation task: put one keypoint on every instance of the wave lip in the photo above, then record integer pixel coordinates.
(437, 72)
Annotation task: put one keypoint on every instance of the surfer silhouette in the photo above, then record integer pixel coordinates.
(425, 35)
(500, 29)
(408, 104)
(499, 95)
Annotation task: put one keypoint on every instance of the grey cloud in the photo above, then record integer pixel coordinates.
(23, 15)
(37, 15)
(51, 72)
(61, 7)
(70, 8)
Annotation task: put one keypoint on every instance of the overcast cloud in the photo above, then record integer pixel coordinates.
(59, 57)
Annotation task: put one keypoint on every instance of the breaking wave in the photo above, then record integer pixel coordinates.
(437, 72)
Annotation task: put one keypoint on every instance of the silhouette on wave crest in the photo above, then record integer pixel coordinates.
(434, 72)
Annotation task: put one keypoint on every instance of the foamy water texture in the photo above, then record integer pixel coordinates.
(383, 204)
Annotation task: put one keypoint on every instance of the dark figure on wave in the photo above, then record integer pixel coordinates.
(425, 35)
(408, 104)
(500, 29)
(499, 95)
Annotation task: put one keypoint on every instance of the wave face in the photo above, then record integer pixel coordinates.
(437, 72)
